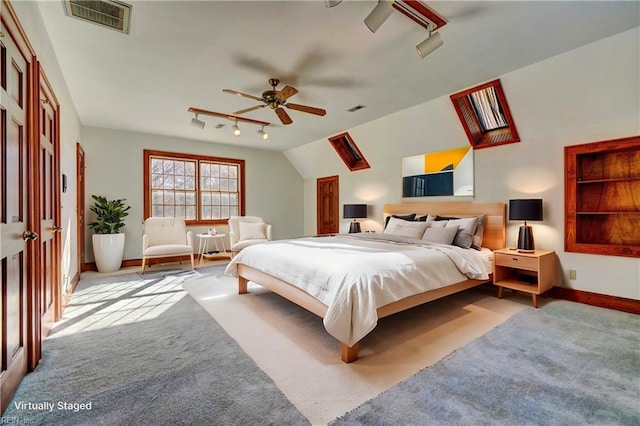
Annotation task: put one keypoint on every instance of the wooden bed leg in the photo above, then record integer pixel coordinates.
(242, 285)
(349, 353)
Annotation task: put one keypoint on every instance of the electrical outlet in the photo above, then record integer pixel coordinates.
(572, 274)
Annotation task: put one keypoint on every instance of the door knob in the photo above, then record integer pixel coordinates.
(29, 235)
(56, 229)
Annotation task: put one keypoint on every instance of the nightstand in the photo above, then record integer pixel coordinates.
(532, 273)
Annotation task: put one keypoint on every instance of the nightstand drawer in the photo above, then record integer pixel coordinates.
(515, 261)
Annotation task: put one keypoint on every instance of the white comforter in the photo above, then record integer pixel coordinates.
(356, 274)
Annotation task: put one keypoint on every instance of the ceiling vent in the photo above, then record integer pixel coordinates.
(106, 13)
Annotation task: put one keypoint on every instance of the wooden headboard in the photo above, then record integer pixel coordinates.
(495, 223)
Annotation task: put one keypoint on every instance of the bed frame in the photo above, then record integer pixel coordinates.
(493, 238)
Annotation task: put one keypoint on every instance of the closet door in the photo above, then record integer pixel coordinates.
(17, 240)
(49, 208)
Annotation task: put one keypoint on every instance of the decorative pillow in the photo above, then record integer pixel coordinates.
(478, 235)
(411, 216)
(438, 224)
(438, 217)
(467, 227)
(440, 235)
(426, 218)
(405, 228)
(251, 231)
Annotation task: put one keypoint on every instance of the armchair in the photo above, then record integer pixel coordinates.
(166, 237)
(245, 231)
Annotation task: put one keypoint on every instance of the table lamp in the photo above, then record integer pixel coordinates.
(525, 209)
(354, 211)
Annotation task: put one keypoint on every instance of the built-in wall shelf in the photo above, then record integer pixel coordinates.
(602, 197)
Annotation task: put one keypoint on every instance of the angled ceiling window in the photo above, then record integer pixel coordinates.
(106, 13)
(349, 152)
(485, 115)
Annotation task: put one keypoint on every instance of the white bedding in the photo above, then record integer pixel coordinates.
(356, 274)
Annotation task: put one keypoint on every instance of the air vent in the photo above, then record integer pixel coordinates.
(106, 13)
(355, 108)
(219, 126)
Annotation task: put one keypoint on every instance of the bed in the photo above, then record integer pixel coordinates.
(307, 284)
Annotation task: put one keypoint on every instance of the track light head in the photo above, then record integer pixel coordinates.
(263, 134)
(196, 122)
(378, 15)
(430, 44)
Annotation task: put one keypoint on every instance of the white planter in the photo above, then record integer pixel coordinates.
(108, 250)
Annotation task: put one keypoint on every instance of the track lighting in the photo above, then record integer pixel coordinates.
(236, 129)
(378, 15)
(263, 134)
(197, 123)
(430, 44)
(331, 3)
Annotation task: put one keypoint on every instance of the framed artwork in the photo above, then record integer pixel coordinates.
(438, 173)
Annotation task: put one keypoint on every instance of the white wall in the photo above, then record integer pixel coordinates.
(31, 21)
(274, 189)
(588, 94)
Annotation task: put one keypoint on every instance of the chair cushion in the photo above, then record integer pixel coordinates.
(251, 231)
(168, 250)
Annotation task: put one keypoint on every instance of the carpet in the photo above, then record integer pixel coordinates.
(139, 350)
(563, 364)
(291, 345)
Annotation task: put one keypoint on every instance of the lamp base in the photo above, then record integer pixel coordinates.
(354, 228)
(525, 240)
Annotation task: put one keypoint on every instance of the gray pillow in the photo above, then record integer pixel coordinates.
(467, 228)
(440, 235)
(479, 234)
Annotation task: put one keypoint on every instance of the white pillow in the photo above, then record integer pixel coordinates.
(405, 228)
(438, 224)
(251, 231)
(440, 235)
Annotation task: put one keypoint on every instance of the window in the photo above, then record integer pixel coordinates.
(199, 189)
(485, 115)
(349, 152)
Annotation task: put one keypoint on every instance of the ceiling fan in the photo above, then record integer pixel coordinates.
(276, 99)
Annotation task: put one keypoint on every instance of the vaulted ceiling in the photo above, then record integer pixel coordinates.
(182, 54)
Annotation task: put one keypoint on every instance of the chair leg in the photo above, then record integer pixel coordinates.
(193, 265)
(144, 259)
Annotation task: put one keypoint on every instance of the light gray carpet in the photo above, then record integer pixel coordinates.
(141, 351)
(563, 364)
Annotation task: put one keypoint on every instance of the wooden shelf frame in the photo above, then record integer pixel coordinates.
(602, 197)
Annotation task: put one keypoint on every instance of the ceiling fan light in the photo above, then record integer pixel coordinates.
(197, 123)
(331, 3)
(263, 134)
(378, 15)
(236, 130)
(430, 44)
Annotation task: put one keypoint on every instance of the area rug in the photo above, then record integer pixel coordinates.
(563, 364)
(291, 345)
(139, 350)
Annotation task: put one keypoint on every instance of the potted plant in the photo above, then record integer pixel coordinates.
(108, 241)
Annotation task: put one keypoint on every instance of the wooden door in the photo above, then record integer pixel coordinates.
(48, 274)
(327, 205)
(16, 240)
(80, 206)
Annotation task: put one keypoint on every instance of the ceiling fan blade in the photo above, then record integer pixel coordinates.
(304, 108)
(244, 95)
(253, 108)
(286, 93)
(284, 117)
